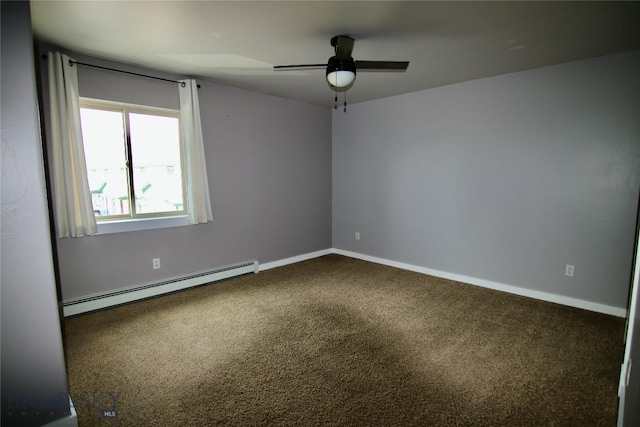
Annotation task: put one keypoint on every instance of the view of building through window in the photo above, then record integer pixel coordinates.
(155, 157)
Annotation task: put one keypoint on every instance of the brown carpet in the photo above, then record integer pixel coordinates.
(338, 341)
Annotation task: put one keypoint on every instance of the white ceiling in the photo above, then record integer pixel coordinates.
(238, 42)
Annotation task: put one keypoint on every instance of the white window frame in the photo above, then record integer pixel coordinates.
(133, 221)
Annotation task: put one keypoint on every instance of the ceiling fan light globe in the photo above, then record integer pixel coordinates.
(341, 78)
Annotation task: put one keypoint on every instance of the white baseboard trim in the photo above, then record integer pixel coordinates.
(544, 296)
(70, 420)
(294, 259)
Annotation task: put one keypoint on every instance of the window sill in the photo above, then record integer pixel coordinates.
(129, 225)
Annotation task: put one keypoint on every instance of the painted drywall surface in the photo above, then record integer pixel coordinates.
(504, 179)
(269, 170)
(33, 369)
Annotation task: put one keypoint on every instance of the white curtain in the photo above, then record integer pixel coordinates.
(198, 199)
(73, 209)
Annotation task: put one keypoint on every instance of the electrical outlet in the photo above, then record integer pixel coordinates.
(156, 263)
(568, 270)
(357, 235)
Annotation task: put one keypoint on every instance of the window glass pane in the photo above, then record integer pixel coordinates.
(157, 173)
(104, 147)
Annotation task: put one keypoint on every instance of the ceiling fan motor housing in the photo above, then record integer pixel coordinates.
(341, 72)
(341, 68)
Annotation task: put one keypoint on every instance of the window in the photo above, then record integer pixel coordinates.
(134, 160)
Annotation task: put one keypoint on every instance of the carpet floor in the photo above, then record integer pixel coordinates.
(339, 341)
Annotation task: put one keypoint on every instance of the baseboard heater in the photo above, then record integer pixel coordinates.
(99, 301)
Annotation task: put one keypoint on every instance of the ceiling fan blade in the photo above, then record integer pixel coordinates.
(292, 67)
(382, 65)
(343, 45)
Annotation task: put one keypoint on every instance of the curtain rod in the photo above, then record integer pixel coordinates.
(71, 62)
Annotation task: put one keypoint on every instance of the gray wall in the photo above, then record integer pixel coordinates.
(505, 179)
(33, 367)
(269, 169)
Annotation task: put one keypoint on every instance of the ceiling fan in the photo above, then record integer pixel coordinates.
(341, 68)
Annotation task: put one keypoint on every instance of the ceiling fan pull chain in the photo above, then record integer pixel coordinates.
(341, 68)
